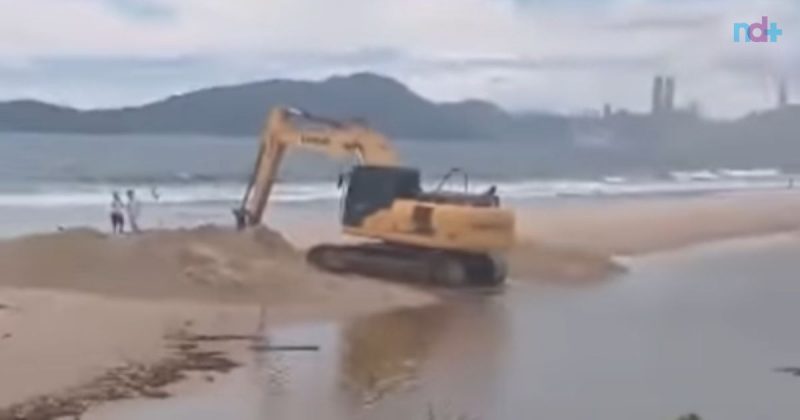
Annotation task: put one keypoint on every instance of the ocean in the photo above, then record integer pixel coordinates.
(63, 180)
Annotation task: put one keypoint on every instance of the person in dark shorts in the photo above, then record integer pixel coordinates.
(117, 214)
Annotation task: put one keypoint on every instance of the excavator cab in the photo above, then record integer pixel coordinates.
(374, 188)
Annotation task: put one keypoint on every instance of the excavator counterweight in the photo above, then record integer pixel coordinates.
(446, 238)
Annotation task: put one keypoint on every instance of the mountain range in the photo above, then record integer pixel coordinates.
(385, 103)
(618, 140)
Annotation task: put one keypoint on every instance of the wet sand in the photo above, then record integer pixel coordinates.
(79, 303)
(57, 340)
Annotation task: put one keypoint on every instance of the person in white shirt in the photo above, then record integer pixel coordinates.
(134, 210)
(117, 216)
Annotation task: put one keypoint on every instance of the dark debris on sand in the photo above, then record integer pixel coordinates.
(126, 382)
(795, 371)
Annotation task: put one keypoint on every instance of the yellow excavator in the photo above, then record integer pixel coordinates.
(440, 237)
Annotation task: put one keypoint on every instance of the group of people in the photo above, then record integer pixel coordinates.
(130, 209)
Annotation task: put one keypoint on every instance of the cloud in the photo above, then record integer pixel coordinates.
(562, 55)
(141, 9)
(670, 23)
(565, 63)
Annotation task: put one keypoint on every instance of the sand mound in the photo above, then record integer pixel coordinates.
(207, 262)
(151, 262)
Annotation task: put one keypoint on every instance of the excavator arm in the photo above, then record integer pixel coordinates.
(290, 128)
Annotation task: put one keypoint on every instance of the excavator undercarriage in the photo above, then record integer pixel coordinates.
(410, 264)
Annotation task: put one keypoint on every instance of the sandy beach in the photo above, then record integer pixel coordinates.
(75, 304)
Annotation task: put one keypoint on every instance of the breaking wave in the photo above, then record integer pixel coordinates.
(201, 190)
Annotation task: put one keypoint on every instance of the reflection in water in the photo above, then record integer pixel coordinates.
(399, 355)
(383, 353)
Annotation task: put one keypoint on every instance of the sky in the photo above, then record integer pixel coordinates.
(569, 56)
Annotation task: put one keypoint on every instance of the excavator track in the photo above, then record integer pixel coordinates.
(411, 264)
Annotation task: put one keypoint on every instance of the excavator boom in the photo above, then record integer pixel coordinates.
(284, 129)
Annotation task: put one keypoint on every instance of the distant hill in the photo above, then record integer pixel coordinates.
(621, 141)
(240, 110)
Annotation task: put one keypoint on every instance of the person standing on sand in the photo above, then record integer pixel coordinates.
(134, 209)
(117, 217)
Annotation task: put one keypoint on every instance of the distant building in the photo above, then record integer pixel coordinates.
(695, 109)
(607, 110)
(669, 94)
(658, 95)
(783, 94)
